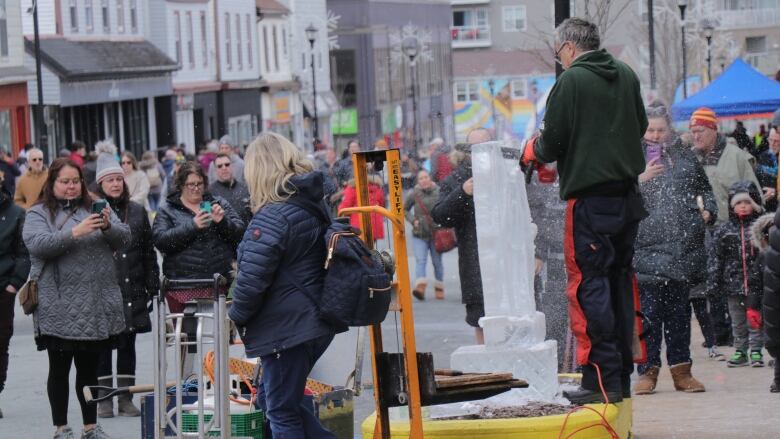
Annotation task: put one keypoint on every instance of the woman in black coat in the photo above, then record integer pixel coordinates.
(196, 232)
(455, 208)
(669, 252)
(138, 277)
(771, 300)
(283, 252)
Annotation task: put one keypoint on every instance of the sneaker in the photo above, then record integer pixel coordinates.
(95, 433)
(715, 355)
(756, 359)
(65, 433)
(739, 359)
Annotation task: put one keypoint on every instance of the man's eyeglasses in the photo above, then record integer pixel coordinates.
(557, 55)
(223, 165)
(67, 181)
(198, 185)
(36, 160)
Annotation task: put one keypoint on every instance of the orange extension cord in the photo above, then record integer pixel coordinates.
(603, 423)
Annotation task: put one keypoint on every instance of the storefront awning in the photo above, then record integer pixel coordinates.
(99, 60)
(327, 103)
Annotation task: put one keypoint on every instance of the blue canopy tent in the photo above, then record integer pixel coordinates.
(740, 91)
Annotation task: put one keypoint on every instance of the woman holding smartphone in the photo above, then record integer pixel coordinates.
(79, 313)
(670, 254)
(138, 276)
(196, 232)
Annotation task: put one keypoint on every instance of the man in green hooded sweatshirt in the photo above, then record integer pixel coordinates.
(593, 124)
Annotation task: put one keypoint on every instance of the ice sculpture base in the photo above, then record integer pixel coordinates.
(527, 330)
(537, 364)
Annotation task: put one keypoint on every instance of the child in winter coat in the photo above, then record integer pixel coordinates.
(734, 270)
(376, 197)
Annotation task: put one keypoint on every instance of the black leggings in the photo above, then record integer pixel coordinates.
(57, 385)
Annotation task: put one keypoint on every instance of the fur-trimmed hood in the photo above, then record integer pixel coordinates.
(759, 231)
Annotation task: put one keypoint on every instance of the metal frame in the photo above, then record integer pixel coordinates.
(395, 214)
(217, 337)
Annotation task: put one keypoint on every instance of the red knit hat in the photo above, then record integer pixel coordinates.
(704, 117)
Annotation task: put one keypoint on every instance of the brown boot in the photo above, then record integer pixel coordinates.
(647, 382)
(438, 287)
(683, 380)
(419, 289)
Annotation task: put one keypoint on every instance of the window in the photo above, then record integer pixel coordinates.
(190, 41)
(134, 16)
(177, 35)
(204, 39)
(514, 18)
(755, 44)
(284, 40)
(104, 15)
(466, 91)
(120, 16)
(240, 57)
(228, 47)
(249, 56)
(74, 16)
(3, 30)
(519, 88)
(470, 18)
(276, 49)
(265, 51)
(88, 22)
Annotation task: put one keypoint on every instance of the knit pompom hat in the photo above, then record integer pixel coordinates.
(704, 117)
(107, 166)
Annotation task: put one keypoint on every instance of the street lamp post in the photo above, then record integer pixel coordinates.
(651, 41)
(707, 29)
(683, 4)
(311, 35)
(411, 48)
(40, 127)
(492, 85)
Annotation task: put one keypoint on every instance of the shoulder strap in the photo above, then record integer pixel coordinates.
(297, 284)
(427, 214)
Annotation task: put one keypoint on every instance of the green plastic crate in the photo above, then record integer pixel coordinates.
(241, 424)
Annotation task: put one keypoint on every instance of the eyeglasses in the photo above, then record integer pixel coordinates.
(193, 186)
(223, 165)
(36, 160)
(557, 55)
(127, 162)
(66, 182)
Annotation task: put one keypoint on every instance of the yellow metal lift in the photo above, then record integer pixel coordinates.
(409, 378)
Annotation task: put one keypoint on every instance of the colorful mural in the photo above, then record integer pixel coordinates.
(514, 116)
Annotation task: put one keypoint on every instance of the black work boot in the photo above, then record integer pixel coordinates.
(584, 396)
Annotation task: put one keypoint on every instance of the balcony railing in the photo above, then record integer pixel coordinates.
(470, 36)
(748, 18)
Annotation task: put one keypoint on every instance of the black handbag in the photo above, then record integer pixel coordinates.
(137, 316)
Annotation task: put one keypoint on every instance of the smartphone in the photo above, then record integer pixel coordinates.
(205, 206)
(653, 151)
(98, 206)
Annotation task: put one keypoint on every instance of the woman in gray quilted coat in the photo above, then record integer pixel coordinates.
(79, 311)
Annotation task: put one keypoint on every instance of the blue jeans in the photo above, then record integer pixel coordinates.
(421, 250)
(280, 394)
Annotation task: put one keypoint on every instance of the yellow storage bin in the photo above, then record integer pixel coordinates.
(543, 427)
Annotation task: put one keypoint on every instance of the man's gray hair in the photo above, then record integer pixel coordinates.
(583, 33)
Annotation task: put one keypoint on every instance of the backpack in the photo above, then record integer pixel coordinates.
(357, 286)
(153, 174)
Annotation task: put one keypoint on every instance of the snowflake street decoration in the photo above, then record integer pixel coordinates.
(397, 38)
(332, 23)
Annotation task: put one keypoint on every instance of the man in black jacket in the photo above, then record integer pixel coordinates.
(14, 268)
(227, 187)
(455, 208)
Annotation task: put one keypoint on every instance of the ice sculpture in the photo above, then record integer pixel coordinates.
(514, 329)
